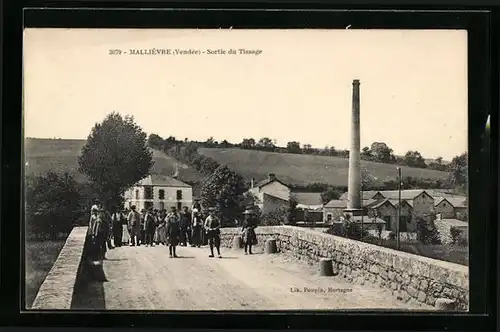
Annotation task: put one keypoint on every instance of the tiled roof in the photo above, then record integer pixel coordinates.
(366, 194)
(379, 203)
(336, 203)
(163, 181)
(276, 197)
(405, 194)
(395, 202)
(442, 193)
(454, 201)
(267, 181)
(308, 198)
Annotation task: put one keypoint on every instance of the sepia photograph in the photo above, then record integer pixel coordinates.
(245, 169)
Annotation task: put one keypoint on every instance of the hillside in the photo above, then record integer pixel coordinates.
(304, 169)
(61, 155)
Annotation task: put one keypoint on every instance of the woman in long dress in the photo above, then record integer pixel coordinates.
(161, 229)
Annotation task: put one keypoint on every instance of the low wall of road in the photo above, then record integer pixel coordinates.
(57, 290)
(408, 276)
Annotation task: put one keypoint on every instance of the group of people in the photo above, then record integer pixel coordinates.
(150, 227)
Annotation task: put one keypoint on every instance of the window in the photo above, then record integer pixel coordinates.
(329, 217)
(148, 205)
(179, 195)
(387, 220)
(162, 206)
(148, 192)
(137, 194)
(161, 194)
(179, 206)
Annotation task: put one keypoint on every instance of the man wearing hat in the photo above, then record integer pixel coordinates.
(149, 226)
(133, 225)
(185, 226)
(212, 229)
(248, 231)
(98, 235)
(172, 231)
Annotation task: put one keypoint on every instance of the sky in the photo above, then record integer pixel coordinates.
(413, 91)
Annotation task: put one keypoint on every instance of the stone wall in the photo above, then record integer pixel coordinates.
(408, 276)
(57, 290)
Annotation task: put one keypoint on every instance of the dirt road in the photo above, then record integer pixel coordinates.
(145, 278)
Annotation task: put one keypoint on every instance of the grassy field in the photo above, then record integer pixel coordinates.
(40, 256)
(304, 169)
(61, 155)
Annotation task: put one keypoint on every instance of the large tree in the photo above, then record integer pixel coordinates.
(155, 141)
(414, 159)
(115, 157)
(381, 152)
(223, 190)
(459, 172)
(293, 147)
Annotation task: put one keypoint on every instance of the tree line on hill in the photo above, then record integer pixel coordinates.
(186, 151)
(378, 151)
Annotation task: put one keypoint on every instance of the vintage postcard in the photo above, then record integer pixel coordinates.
(228, 169)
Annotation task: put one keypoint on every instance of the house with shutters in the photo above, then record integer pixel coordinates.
(159, 192)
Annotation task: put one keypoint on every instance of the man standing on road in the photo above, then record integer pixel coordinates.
(172, 231)
(185, 226)
(248, 231)
(149, 227)
(134, 226)
(212, 228)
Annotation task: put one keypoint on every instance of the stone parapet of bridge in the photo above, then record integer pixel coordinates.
(57, 290)
(407, 276)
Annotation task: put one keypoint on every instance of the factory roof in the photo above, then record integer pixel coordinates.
(454, 201)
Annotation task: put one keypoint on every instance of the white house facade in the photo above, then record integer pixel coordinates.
(159, 192)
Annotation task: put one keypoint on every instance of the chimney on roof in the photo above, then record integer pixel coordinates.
(252, 184)
(272, 176)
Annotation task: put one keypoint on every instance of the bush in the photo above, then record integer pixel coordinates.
(455, 234)
(427, 231)
(273, 218)
(53, 205)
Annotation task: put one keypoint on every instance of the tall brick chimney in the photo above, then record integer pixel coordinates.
(354, 189)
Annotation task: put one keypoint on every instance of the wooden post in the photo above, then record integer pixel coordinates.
(237, 242)
(270, 246)
(445, 304)
(325, 267)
